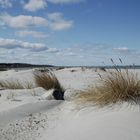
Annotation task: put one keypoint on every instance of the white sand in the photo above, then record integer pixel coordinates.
(31, 115)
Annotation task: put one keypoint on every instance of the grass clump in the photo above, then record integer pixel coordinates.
(116, 86)
(15, 85)
(47, 80)
(11, 85)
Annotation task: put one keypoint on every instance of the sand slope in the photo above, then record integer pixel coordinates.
(29, 114)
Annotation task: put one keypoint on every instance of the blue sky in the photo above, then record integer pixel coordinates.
(70, 32)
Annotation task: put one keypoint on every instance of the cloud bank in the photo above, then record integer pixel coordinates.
(57, 22)
(54, 21)
(29, 33)
(22, 21)
(13, 43)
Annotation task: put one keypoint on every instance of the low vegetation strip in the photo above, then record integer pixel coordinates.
(5, 84)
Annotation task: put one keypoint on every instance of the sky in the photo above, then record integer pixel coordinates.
(70, 32)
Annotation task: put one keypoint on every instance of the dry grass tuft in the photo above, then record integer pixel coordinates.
(115, 86)
(47, 81)
(15, 85)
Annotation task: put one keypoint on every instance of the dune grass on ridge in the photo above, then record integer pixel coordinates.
(115, 86)
(47, 80)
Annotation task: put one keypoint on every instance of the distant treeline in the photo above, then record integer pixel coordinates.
(21, 65)
(25, 65)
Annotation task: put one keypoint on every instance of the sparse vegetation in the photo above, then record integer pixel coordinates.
(29, 85)
(115, 86)
(83, 68)
(11, 95)
(15, 85)
(47, 81)
(43, 69)
(59, 68)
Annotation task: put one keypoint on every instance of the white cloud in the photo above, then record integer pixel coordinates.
(35, 34)
(122, 49)
(52, 50)
(22, 21)
(128, 52)
(64, 1)
(34, 5)
(5, 3)
(61, 25)
(70, 54)
(57, 22)
(12, 44)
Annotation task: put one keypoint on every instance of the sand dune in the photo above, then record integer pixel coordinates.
(29, 114)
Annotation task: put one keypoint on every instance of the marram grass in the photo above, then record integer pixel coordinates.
(5, 84)
(47, 80)
(116, 86)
